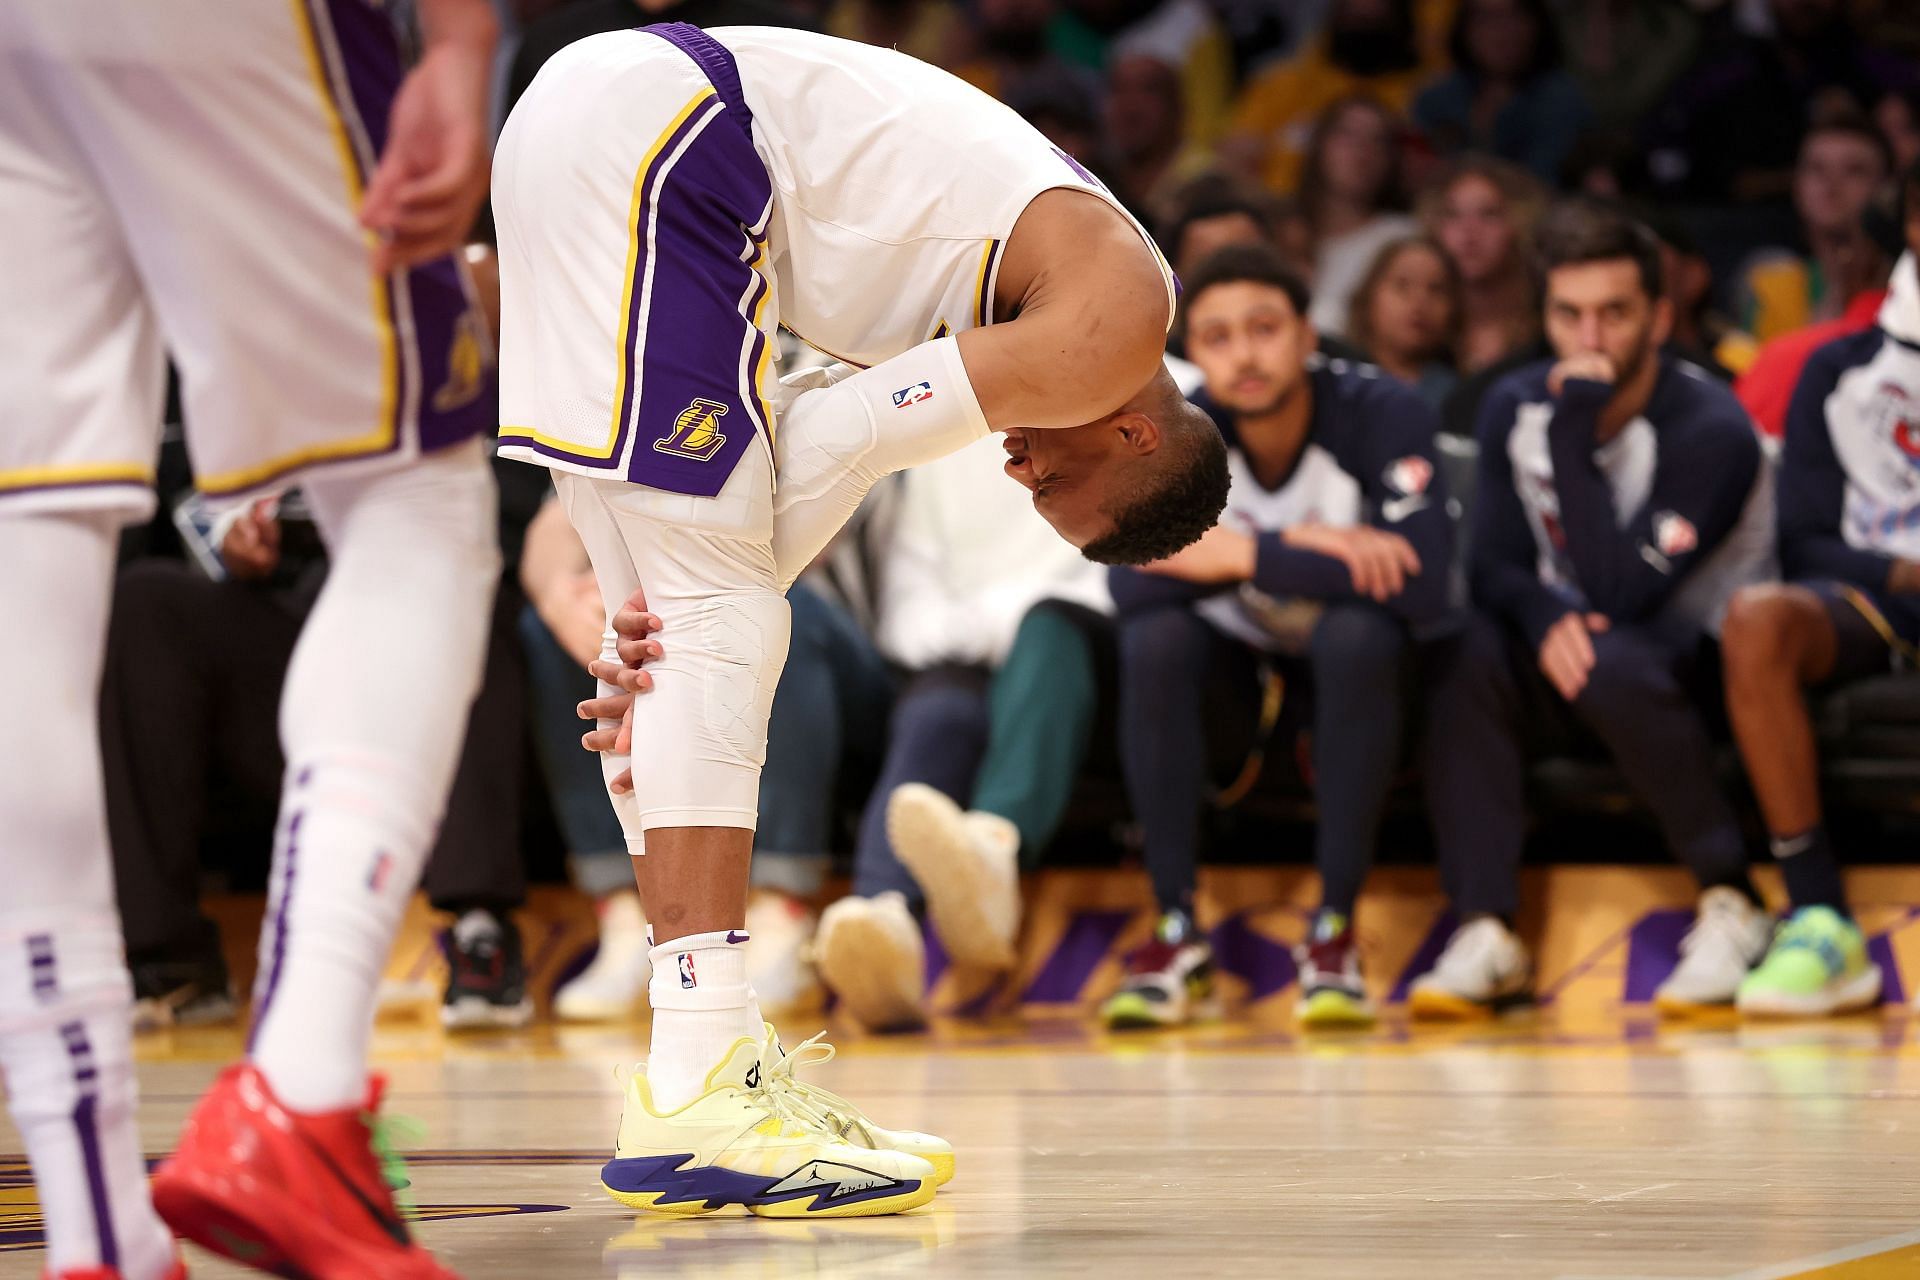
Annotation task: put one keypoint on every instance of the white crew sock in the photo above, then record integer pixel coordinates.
(701, 1005)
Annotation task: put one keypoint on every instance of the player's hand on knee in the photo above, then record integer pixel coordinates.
(613, 716)
(633, 628)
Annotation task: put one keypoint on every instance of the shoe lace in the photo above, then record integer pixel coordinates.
(821, 1107)
(1718, 921)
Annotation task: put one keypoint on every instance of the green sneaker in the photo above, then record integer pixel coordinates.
(1816, 966)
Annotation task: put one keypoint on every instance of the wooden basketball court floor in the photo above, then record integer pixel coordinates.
(1581, 1139)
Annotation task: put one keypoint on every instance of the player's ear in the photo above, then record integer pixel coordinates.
(1139, 433)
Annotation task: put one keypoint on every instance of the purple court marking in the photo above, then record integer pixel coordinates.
(277, 963)
(1653, 949)
(1880, 952)
(1088, 940)
(1250, 955)
(1423, 959)
(936, 953)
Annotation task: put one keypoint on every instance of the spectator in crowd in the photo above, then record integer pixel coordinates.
(1367, 46)
(1406, 315)
(1482, 212)
(1009, 52)
(1606, 166)
(967, 559)
(1700, 334)
(1191, 37)
(1151, 160)
(1626, 55)
(1621, 499)
(929, 30)
(1850, 608)
(1843, 161)
(1351, 194)
(1507, 94)
(821, 689)
(555, 30)
(1332, 554)
(1766, 385)
(1216, 215)
(1732, 127)
(196, 657)
(1064, 112)
(1897, 115)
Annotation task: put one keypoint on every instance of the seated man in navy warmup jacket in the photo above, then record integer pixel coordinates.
(1622, 497)
(1850, 544)
(1333, 553)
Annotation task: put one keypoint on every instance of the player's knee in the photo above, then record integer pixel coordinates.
(1764, 635)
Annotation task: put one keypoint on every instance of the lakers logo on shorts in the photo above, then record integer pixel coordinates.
(696, 432)
(466, 364)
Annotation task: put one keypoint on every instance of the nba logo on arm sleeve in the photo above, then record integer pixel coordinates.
(912, 395)
(686, 971)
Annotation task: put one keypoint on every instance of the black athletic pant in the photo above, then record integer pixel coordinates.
(190, 737)
(1491, 710)
(1190, 705)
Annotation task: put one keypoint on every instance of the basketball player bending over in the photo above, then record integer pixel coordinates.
(666, 198)
(203, 183)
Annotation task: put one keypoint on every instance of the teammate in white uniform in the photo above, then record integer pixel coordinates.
(201, 178)
(665, 198)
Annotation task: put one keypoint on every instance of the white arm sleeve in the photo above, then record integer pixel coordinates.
(833, 443)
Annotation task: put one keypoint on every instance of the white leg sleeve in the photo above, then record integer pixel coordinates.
(372, 717)
(836, 442)
(700, 736)
(65, 1042)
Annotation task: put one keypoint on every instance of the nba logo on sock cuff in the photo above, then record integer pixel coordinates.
(686, 970)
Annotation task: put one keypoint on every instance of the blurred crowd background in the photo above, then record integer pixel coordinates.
(1394, 157)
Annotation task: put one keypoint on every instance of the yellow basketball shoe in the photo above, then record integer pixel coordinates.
(749, 1143)
(840, 1118)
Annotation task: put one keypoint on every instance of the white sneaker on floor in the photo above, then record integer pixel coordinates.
(1729, 936)
(968, 865)
(1483, 970)
(612, 987)
(869, 952)
(777, 966)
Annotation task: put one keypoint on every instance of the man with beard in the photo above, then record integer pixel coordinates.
(1622, 498)
(1332, 555)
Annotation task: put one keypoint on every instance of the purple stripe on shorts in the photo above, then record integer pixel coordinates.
(716, 63)
(270, 981)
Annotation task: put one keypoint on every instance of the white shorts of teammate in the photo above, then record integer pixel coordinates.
(184, 180)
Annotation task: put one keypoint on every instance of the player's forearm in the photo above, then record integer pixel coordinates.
(1052, 370)
(551, 555)
(470, 24)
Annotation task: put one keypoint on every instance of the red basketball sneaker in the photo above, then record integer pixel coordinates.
(297, 1195)
(179, 1272)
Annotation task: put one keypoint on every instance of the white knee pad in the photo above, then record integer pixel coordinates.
(699, 737)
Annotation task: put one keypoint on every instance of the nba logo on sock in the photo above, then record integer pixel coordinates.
(912, 395)
(686, 970)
